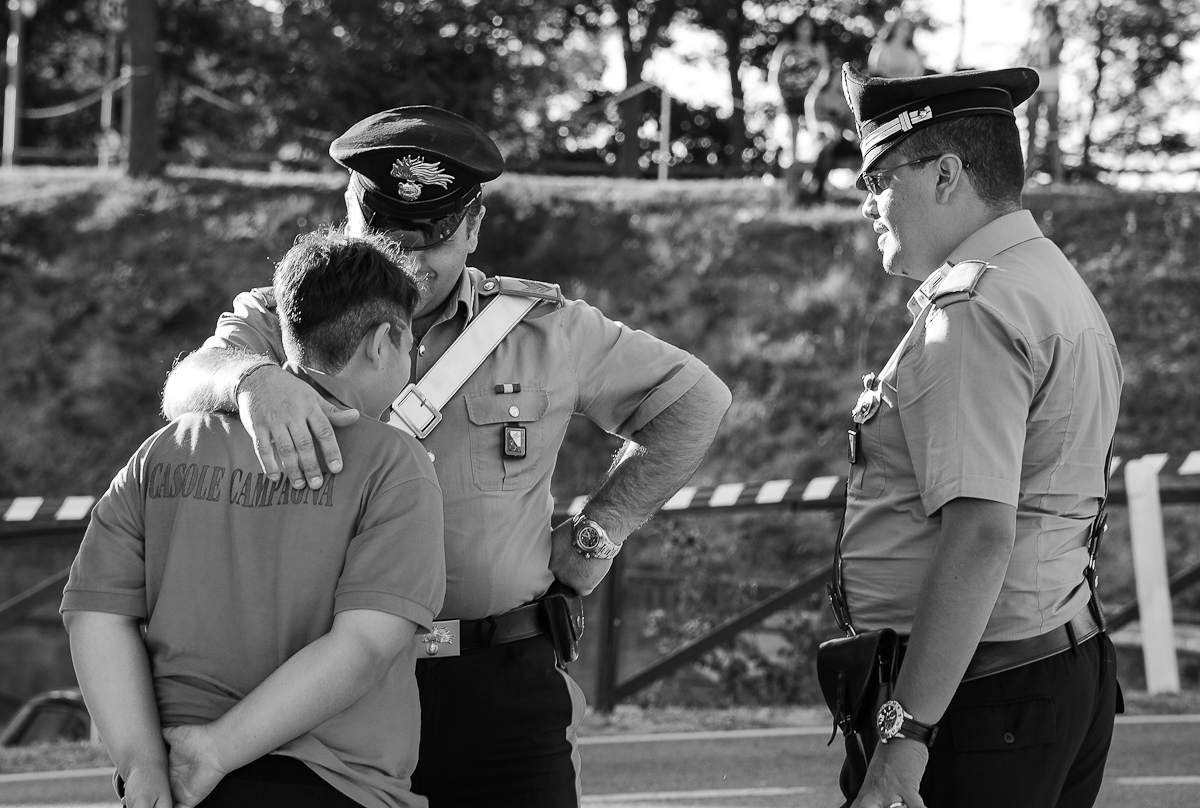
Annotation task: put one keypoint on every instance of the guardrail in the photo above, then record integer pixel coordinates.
(1174, 479)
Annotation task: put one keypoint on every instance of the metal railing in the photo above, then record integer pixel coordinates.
(1178, 482)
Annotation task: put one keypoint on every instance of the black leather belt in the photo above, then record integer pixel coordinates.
(449, 638)
(520, 623)
(997, 657)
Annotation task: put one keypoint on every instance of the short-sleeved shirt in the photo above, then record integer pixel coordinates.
(569, 360)
(233, 574)
(1009, 394)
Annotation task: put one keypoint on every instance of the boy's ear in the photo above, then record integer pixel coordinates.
(376, 344)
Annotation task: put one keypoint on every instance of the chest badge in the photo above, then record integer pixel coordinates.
(868, 400)
(514, 441)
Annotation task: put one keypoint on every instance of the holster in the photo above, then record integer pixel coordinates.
(563, 607)
(857, 675)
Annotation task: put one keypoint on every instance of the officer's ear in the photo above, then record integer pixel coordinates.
(950, 177)
(473, 223)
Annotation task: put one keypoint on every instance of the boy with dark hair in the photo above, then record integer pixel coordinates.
(270, 629)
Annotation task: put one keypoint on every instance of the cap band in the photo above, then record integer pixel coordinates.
(409, 232)
(901, 123)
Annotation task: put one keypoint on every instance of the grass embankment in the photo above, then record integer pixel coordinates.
(104, 281)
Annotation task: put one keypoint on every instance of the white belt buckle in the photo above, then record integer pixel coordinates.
(419, 416)
(443, 640)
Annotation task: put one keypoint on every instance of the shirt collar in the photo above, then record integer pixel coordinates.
(984, 244)
(996, 236)
(330, 386)
(920, 298)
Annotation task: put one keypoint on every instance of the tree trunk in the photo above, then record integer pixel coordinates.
(737, 120)
(629, 150)
(141, 105)
(1085, 163)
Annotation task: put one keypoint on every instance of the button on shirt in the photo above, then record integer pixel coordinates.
(1008, 395)
(571, 360)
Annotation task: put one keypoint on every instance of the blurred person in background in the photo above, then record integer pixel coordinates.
(832, 122)
(894, 56)
(796, 63)
(1044, 54)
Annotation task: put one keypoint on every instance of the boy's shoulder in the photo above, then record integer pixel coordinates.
(372, 443)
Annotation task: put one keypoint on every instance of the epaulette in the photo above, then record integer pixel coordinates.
(959, 283)
(521, 287)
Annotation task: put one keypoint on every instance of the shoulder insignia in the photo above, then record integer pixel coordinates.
(500, 285)
(959, 283)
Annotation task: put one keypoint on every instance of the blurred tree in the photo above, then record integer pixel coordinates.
(643, 25)
(1133, 82)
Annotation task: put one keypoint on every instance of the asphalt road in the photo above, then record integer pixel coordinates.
(1155, 763)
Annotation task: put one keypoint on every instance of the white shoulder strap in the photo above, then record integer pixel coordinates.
(418, 408)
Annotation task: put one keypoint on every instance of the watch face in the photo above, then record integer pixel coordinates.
(891, 716)
(587, 538)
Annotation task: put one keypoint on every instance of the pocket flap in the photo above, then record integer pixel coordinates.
(997, 727)
(486, 408)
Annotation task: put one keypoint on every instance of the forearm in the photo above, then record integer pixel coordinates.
(113, 669)
(957, 599)
(316, 683)
(206, 381)
(660, 459)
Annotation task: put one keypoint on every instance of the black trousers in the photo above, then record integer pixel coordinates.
(498, 729)
(1034, 737)
(275, 781)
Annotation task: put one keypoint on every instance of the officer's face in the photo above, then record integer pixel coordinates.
(439, 268)
(900, 207)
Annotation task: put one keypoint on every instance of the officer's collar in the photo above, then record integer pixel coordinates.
(996, 236)
(925, 292)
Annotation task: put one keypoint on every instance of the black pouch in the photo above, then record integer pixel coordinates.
(563, 608)
(857, 675)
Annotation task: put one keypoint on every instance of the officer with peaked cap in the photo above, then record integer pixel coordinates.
(978, 468)
(499, 712)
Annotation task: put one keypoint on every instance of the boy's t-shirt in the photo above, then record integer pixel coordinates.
(234, 574)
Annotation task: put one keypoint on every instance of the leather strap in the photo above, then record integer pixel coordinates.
(418, 408)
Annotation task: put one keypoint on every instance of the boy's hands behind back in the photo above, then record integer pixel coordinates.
(194, 766)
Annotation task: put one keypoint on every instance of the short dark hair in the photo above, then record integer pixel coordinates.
(988, 144)
(332, 289)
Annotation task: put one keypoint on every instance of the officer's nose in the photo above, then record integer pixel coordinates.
(870, 206)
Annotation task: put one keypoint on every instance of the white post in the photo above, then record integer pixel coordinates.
(664, 135)
(1150, 573)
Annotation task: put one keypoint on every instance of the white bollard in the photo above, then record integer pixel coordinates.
(1150, 573)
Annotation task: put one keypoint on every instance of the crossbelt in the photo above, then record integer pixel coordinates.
(418, 408)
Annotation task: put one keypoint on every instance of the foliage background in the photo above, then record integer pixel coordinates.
(104, 281)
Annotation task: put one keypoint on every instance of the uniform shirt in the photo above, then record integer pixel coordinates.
(1008, 395)
(567, 361)
(233, 575)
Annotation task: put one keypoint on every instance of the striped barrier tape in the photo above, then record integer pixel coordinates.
(1179, 476)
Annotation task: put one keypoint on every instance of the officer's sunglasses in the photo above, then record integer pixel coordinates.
(878, 181)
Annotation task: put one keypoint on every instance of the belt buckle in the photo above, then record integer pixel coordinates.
(443, 640)
(411, 416)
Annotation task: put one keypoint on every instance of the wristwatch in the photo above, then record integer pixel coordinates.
(591, 540)
(894, 721)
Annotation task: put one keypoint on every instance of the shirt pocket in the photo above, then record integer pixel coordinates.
(1002, 727)
(489, 413)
